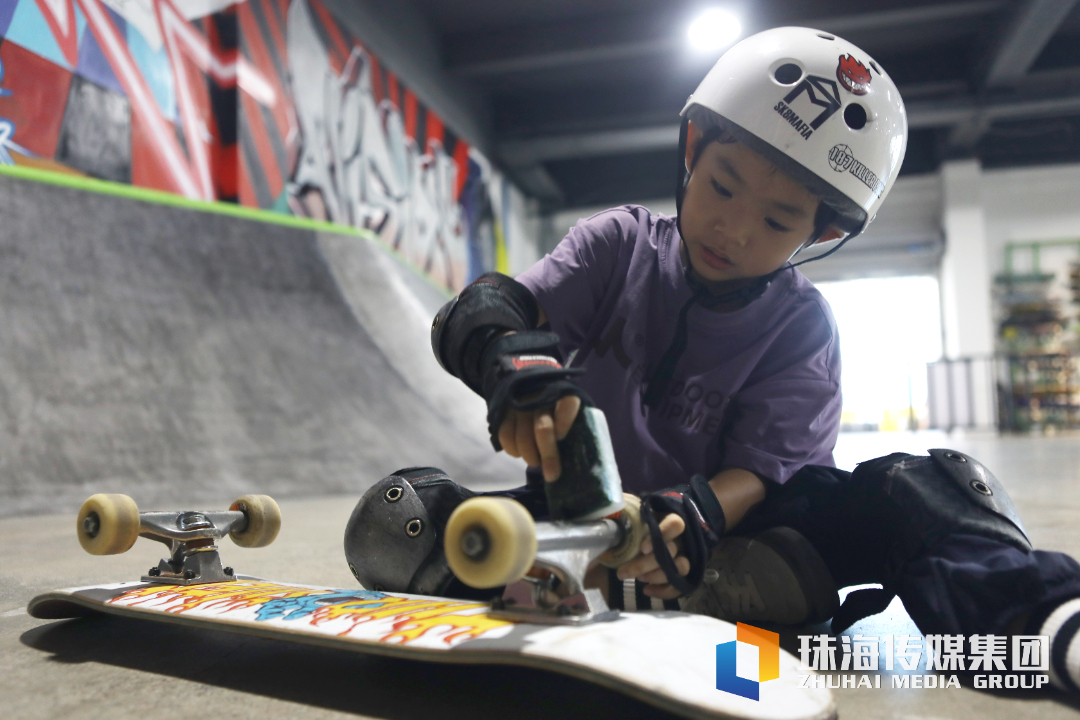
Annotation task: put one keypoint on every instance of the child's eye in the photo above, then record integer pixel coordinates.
(721, 190)
(776, 226)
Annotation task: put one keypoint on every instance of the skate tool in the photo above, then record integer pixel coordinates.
(493, 541)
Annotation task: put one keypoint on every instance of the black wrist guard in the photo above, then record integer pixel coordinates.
(486, 337)
(700, 511)
(522, 371)
(490, 306)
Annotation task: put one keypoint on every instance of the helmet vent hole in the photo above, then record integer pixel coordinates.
(855, 116)
(826, 37)
(788, 74)
(876, 68)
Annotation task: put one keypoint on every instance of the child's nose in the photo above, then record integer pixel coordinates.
(734, 224)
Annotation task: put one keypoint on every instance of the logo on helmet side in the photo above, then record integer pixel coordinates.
(853, 75)
(841, 158)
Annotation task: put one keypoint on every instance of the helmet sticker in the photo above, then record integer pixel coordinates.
(853, 75)
(819, 91)
(841, 158)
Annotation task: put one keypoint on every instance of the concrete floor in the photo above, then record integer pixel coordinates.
(118, 668)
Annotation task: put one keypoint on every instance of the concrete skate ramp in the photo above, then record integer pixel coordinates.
(184, 356)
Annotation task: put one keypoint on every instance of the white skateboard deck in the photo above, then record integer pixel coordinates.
(666, 659)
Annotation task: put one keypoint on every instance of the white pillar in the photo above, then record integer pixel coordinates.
(966, 301)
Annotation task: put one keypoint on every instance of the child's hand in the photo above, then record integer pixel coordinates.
(531, 435)
(646, 568)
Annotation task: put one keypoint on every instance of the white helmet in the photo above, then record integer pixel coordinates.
(815, 106)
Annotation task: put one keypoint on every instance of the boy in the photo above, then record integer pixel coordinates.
(716, 362)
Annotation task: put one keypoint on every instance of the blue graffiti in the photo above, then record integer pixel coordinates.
(7, 132)
(299, 608)
(4, 92)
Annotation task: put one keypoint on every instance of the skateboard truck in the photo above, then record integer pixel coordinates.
(110, 524)
(493, 541)
(565, 549)
(190, 536)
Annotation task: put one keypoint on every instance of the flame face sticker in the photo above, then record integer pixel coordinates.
(853, 75)
(361, 614)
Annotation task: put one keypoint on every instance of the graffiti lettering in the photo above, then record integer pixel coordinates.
(272, 104)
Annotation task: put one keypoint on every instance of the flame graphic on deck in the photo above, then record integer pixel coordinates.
(410, 617)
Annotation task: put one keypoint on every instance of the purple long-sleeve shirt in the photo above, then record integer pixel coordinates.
(757, 388)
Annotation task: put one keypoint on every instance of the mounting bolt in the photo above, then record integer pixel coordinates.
(154, 572)
(228, 571)
(476, 543)
(92, 524)
(189, 574)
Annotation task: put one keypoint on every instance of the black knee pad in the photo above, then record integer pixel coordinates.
(393, 540)
(944, 494)
(915, 502)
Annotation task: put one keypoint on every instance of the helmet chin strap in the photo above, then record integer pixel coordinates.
(680, 175)
(826, 254)
(660, 378)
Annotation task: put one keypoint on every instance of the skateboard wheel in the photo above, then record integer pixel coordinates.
(263, 521)
(490, 541)
(636, 532)
(108, 524)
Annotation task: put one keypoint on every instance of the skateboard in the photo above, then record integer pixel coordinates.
(666, 659)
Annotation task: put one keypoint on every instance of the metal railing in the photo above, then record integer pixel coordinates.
(962, 392)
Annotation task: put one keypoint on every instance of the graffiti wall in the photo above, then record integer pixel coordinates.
(269, 103)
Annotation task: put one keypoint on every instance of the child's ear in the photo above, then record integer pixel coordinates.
(692, 137)
(831, 233)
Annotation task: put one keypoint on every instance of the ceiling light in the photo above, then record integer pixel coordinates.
(714, 29)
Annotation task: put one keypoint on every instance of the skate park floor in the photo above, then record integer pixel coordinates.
(120, 668)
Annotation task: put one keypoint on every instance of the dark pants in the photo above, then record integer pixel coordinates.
(964, 585)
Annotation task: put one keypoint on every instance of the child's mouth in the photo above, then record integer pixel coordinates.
(713, 260)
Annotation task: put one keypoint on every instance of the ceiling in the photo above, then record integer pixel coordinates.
(584, 95)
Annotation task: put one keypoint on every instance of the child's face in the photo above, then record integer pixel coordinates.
(741, 216)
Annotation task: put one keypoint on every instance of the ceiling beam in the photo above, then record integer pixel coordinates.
(1025, 35)
(537, 183)
(892, 20)
(557, 59)
(609, 142)
(944, 114)
(968, 114)
(1018, 42)
(896, 19)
